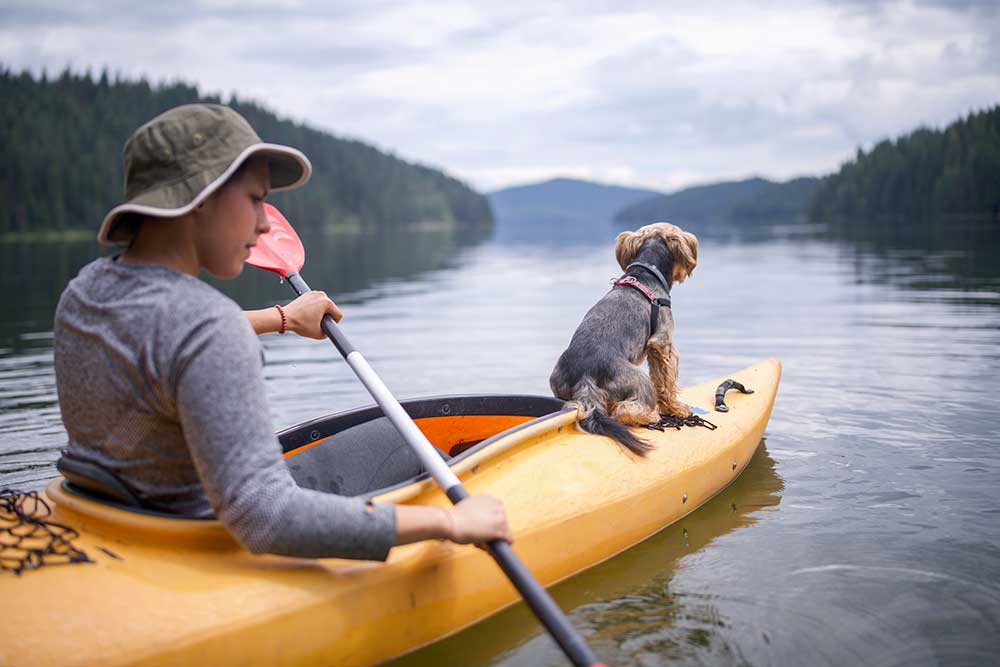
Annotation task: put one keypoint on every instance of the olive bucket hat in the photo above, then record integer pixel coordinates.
(175, 161)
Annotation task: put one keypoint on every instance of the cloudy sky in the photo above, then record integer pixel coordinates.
(655, 94)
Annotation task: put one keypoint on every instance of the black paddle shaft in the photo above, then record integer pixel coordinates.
(536, 597)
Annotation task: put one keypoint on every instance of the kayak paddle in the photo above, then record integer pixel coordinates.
(281, 252)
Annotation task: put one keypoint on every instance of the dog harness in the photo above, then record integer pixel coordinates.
(655, 302)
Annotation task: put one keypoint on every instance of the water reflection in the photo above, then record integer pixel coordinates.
(627, 607)
(937, 255)
(34, 274)
(33, 277)
(942, 255)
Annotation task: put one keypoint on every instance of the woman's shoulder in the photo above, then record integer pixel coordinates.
(174, 290)
(186, 301)
(173, 300)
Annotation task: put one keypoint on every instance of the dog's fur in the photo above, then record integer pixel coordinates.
(599, 371)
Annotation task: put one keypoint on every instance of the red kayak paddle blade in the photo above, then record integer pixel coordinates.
(280, 250)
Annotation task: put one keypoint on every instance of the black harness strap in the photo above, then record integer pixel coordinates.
(654, 314)
(655, 304)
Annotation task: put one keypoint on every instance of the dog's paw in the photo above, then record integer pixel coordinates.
(676, 409)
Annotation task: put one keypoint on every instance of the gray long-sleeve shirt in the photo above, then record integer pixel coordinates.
(160, 381)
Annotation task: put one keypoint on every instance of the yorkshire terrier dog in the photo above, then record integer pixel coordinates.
(599, 371)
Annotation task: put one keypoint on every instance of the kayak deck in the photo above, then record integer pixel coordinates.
(169, 591)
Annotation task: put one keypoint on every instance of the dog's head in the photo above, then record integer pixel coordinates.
(683, 247)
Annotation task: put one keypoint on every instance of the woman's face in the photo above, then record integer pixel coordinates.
(231, 219)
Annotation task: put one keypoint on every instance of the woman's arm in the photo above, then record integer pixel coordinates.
(264, 321)
(223, 413)
(303, 316)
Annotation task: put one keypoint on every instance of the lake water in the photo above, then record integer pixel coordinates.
(866, 531)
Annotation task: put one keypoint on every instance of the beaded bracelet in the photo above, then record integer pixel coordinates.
(284, 320)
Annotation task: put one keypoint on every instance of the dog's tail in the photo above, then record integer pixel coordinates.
(599, 423)
(590, 400)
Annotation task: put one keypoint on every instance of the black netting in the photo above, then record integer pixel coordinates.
(27, 540)
(669, 421)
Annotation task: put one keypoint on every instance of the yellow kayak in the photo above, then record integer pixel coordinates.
(169, 591)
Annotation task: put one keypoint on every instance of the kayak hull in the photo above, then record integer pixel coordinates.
(166, 591)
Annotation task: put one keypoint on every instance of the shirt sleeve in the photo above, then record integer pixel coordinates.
(222, 407)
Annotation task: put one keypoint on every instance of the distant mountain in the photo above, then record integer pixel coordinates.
(753, 199)
(560, 208)
(779, 201)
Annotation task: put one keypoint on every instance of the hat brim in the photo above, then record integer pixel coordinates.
(289, 169)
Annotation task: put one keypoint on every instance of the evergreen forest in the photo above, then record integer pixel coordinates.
(923, 176)
(61, 167)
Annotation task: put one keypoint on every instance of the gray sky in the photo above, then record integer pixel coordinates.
(655, 94)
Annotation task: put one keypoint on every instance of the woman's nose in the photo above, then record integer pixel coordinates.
(263, 223)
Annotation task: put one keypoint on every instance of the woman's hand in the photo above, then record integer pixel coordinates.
(479, 519)
(303, 316)
(475, 520)
(307, 311)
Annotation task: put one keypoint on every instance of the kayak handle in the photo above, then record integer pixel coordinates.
(720, 394)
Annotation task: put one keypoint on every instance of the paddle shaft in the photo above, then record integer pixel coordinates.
(537, 598)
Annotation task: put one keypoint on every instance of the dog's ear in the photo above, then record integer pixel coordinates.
(684, 249)
(627, 246)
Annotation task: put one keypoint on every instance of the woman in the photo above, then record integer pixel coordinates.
(160, 375)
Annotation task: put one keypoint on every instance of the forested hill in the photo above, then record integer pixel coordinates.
(61, 162)
(921, 176)
(753, 199)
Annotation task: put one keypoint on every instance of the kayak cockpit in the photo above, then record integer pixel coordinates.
(328, 453)
(318, 451)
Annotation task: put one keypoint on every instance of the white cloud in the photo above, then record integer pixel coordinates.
(644, 93)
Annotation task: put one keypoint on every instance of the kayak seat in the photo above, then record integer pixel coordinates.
(93, 479)
(368, 456)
